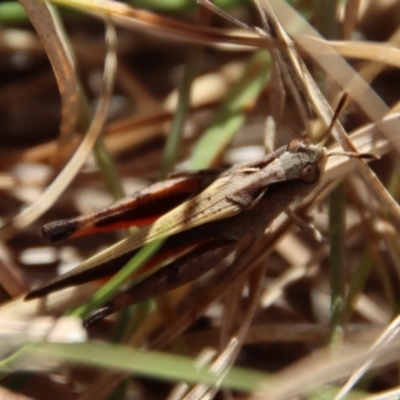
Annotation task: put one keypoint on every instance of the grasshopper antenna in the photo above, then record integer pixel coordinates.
(339, 108)
(365, 156)
(335, 117)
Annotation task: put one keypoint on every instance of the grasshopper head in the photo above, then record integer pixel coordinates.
(303, 160)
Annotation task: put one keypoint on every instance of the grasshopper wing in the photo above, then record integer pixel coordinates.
(139, 209)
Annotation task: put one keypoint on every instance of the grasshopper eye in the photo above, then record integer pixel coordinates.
(310, 173)
(298, 146)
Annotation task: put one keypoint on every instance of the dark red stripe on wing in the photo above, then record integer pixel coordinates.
(141, 208)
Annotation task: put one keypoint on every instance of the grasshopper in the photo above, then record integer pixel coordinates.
(203, 216)
(217, 210)
(232, 193)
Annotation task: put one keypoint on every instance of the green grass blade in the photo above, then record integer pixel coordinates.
(175, 134)
(107, 291)
(336, 237)
(231, 115)
(150, 364)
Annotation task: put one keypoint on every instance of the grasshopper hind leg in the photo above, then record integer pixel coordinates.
(184, 270)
